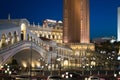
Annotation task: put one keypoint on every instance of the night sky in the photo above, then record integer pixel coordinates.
(103, 13)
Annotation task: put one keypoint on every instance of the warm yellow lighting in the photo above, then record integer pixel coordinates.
(24, 64)
(77, 53)
(42, 35)
(38, 64)
(23, 28)
(59, 37)
(49, 66)
(33, 64)
(1, 67)
(6, 41)
(10, 72)
(66, 62)
(93, 63)
(87, 64)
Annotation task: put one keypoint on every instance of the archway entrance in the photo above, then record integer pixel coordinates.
(23, 31)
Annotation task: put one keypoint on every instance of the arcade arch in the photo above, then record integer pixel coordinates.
(23, 31)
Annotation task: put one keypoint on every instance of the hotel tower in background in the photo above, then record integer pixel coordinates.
(76, 21)
(76, 32)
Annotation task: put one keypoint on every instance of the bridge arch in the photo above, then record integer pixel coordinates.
(24, 45)
(27, 57)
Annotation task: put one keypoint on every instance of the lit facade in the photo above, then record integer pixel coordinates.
(19, 30)
(51, 29)
(76, 29)
(71, 37)
(76, 21)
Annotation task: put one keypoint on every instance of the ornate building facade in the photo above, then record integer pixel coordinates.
(15, 31)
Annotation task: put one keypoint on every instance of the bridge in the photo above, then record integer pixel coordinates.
(17, 35)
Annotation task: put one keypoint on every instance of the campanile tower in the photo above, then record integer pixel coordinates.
(76, 21)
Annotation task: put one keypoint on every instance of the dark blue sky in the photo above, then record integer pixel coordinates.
(103, 13)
